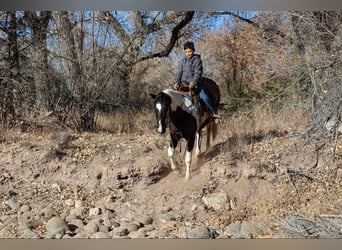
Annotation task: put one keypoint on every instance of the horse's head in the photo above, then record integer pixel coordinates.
(162, 103)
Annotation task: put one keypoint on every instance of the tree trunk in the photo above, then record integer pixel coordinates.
(39, 27)
(81, 103)
(7, 87)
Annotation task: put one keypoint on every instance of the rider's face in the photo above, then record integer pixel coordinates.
(189, 53)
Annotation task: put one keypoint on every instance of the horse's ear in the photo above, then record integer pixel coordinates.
(153, 95)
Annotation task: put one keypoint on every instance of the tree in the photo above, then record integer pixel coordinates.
(91, 65)
(38, 24)
(10, 71)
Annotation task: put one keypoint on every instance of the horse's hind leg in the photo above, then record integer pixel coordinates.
(198, 142)
(207, 145)
(170, 154)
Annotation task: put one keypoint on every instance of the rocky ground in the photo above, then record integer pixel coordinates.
(66, 185)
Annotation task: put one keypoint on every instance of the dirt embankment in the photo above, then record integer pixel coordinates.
(237, 189)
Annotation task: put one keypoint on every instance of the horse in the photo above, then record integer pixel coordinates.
(186, 119)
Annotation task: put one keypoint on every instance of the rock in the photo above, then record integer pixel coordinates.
(110, 203)
(56, 227)
(91, 228)
(27, 222)
(157, 234)
(131, 227)
(250, 229)
(80, 235)
(76, 223)
(110, 223)
(201, 232)
(48, 213)
(119, 231)
(147, 228)
(299, 224)
(136, 234)
(103, 228)
(245, 229)
(28, 234)
(81, 212)
(234, 230)
(94, 211)
(217, 201)
(25, 208)
(100, 235)
(70, 202)
(145, 220)
(13, 204)
(78, 203)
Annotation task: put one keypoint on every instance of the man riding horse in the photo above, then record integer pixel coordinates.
(189, 77)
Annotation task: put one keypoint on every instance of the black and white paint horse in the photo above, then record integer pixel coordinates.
(185, 121)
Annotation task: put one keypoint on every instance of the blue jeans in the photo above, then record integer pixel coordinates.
(204, 97)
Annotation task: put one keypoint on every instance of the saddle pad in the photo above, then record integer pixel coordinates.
(190, 104)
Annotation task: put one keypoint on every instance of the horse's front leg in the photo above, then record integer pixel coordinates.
(188, 157)
(173, 144)
(171, 156)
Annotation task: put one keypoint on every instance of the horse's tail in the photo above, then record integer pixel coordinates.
(213, 130)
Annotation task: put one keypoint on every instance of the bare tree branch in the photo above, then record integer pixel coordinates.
(116, 26)
(235, 15)
(175, 32)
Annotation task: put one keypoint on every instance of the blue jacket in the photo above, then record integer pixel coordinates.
(189, 69)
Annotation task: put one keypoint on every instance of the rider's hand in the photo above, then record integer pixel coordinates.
(176, 85)
(192, 85)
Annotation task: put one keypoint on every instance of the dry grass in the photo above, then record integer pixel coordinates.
(245, 127)
(125, 121)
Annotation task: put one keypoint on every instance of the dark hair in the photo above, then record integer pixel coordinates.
(189, 45)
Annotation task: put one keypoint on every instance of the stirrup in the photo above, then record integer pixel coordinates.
(216, 116)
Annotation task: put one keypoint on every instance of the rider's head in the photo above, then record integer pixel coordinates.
(189, 49)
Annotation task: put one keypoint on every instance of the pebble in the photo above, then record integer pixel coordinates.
(78, 203)
(25, 208)
(94, 211)
(13, 204)
(70, 202)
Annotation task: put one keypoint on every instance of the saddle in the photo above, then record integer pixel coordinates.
(189, 92)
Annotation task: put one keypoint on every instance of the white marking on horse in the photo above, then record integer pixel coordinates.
(170, 154)
(160, 128)
(187, 164)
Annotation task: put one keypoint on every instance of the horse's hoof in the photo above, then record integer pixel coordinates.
(174, 167)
